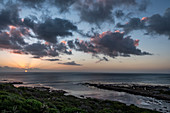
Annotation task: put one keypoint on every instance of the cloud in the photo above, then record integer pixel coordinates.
(6, 67)
(143, 5)
(63, 5)
(71, 44)
(99, 11)
(112, 44)
(9, 16)
(71, 63)
(156, 24)
(15, 69)
(52, 28)
(51, 60)
(115, 44)
(11, 40)
(133, 24)
(119, 13)
(32, 3)
(37, 49)
(14, 30)
(102, 59)
(47, 30)
(91, 11)
(40, 50)
(29, 23)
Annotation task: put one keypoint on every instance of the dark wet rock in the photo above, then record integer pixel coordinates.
(15, 82)
(158, 92)
(81, 96)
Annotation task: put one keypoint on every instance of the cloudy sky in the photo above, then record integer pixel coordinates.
(85, 35)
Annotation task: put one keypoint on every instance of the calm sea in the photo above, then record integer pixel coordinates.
(70, 83)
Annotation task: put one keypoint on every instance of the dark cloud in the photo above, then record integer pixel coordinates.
(71, 63)
(17, 29)
(156, 24)
(63, 48)
(119, 13)
(47, 30)
(63, 5)
(9, 16)
(40, 50)
(52, 28)
(32, 3)
(97, 12)
(84, 46)
(52, 60)
(159, 24)
(133, 24)
(100, 11)
(92, 11)
(11, 42)
(29, 23)
(37, 49)
(115, 44)
(143, 5)
(102, 59)
(71, 44)
(12, 38)
(111, 44)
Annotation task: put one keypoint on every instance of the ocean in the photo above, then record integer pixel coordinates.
(70, 82)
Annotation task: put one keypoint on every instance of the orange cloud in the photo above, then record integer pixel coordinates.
(22, 19)
(64, 42)
(144, 19)
(12, 27)
(136, 42)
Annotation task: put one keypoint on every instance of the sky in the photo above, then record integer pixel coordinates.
(114, 36)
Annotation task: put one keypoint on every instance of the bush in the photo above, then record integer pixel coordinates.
(72, 110)
(33, 105)
(53, 110)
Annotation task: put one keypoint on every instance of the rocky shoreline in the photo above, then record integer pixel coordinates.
(158, 92)
(43, 100)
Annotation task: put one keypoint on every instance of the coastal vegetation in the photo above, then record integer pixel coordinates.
(43, 100)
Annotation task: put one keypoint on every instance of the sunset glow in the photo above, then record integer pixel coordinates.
(108, 36)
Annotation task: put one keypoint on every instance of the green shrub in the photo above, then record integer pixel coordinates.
(72, 110)
(32, 105)
(53, 110)
(105, 110)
